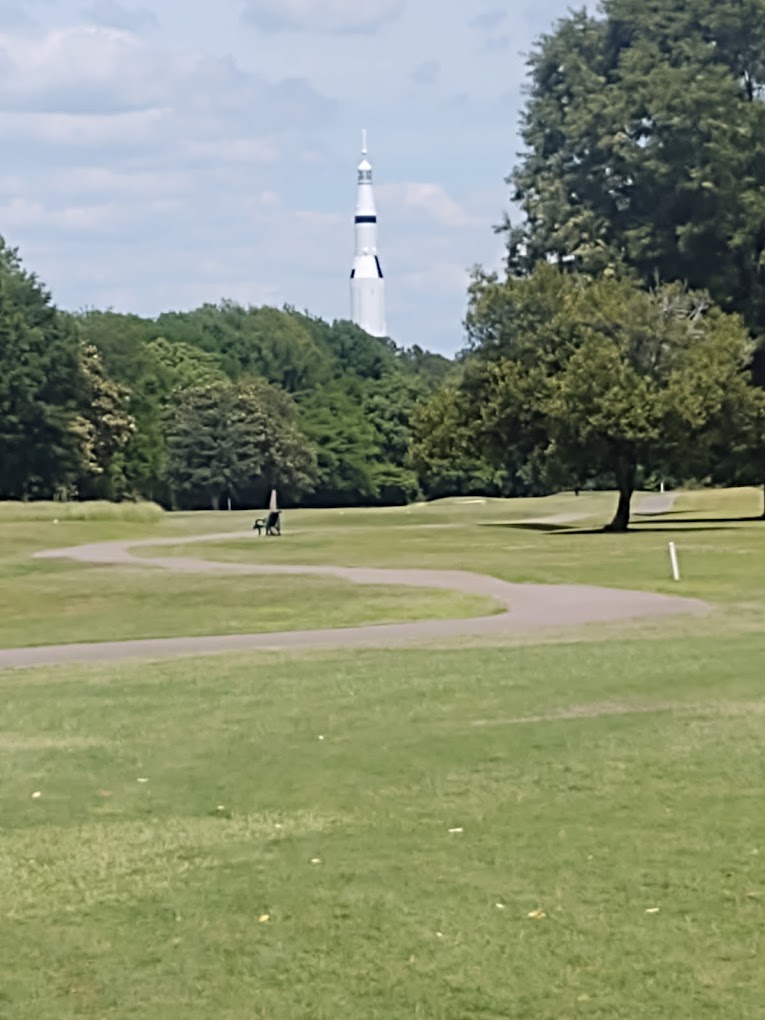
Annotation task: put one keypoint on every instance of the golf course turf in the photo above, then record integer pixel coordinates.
(548, 825)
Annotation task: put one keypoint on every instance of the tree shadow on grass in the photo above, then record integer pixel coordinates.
(527, 526)
(705, 520)
(646, 518)
(670, 529)
(654, 526)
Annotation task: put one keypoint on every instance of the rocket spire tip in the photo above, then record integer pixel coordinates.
(364, 142)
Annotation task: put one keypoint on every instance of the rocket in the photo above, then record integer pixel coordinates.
(367, 285)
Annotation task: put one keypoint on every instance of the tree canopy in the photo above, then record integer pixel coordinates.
(587, 378)
(644, 159)
(236, 441)
(645, 146)
(353, 395)
(41, 388)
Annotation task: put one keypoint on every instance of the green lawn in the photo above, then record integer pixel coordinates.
(62, 601)
(63, 604)
(721, 549)
(615, 787)
(267, 837)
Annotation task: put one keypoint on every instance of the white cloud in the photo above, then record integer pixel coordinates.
(90, 70)
(102, 180)
(321, 15)
(489, 20)
(14, 17)
(431, 201)
(250, 151)
(84, 69)
(118, 130)
(159, 166)
(425, 73)
(113, 15)
(25, 214)
(441, 277)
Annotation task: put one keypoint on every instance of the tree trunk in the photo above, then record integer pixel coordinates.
(625, 477)
(215, 501)
(763, 501)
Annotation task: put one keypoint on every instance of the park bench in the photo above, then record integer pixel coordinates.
(271, 524)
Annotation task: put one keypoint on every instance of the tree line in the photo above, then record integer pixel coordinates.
(623, 343)
(207, 408)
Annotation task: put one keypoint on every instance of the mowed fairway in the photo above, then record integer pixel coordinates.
(56, 602)
(268, 836)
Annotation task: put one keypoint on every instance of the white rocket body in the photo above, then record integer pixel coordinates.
(367, 285)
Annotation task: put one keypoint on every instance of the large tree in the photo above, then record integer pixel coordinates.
(236, 441)
(590, 377)
(644, 138)
(41, 388)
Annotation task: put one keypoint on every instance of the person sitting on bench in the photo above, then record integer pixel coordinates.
(271, 523)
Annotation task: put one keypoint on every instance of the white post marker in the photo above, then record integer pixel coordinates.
(674, 561)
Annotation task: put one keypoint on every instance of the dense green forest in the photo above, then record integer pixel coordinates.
(624, 341)
(199, 408)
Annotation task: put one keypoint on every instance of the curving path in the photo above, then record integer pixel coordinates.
(527, 607)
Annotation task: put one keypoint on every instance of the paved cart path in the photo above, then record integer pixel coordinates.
(525, 608)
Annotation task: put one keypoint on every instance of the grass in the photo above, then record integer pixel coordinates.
(96, 510)
(60, 601)
(267, 837)
(721, 551)
(44, 602)
(65, 604)
(593, 782)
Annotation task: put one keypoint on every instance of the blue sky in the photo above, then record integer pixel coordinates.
(160, 156)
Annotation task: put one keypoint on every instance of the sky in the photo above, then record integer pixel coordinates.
(158, 157)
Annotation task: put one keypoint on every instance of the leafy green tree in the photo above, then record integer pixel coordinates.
(180, 365)
(444, 444)
(41, 384)
(264, 342)
(645, 147)
(355, 393)
(601, 379)
(120, 340)
(123, 342)
(236, 441)
(356, 352)
(429, 369)
(388, 406)
(104, 428)
(734, 451)
(347, 447)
